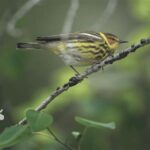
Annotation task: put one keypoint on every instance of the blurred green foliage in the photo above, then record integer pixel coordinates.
(120, 93)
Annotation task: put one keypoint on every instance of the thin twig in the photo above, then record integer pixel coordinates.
(70, 17)
(11, 27)
(106, 15)
(59, 140)
(77, 79)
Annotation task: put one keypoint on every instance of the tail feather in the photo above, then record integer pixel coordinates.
(29, 45)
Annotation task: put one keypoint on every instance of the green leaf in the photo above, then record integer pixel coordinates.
(94, 124)
(13, 135)
(38, 120)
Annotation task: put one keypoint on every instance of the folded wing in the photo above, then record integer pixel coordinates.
(81, 36)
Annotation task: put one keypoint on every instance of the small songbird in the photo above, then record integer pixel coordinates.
(77, 49)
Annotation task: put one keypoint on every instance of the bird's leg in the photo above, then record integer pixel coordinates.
(111, 55)
(77, 73)
(99, 63)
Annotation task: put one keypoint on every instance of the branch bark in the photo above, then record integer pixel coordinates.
(11, 27)
(95, 68)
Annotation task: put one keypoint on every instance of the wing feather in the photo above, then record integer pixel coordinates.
(80, 36)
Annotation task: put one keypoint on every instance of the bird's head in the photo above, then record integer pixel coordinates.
(112, 40)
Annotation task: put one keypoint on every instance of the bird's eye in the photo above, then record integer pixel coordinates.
(111, 41)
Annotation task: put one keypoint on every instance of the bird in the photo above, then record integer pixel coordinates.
(79, 48)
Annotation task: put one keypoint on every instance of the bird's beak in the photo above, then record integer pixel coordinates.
(121, 41)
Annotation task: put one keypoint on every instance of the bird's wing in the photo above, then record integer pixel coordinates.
(80, 36)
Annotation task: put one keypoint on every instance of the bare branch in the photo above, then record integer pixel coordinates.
(106, 15)
(59, 140)
(11, 29)
(79, 78)
(71, 14)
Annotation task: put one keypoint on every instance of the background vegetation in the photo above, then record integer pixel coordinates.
(120, 93)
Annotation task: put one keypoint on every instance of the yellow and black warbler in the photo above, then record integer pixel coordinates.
(78, 49)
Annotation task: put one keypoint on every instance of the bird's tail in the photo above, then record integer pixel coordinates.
(29, 45)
